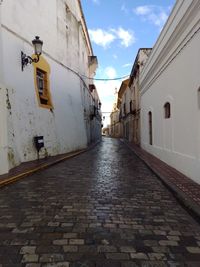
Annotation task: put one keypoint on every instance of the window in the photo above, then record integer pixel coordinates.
(42, 84)
(41, 77)
(198, 98)
(124, 109)
(167, 111)
(150, 129)
(131, 110)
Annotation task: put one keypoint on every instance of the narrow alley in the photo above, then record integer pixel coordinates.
(103, 208)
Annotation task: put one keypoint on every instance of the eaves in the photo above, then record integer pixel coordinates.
(182, 24)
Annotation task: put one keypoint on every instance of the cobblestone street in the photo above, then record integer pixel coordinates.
(103, 208)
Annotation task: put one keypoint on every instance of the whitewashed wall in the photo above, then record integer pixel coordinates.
(64, 129)
(3, 111)
(172, 75)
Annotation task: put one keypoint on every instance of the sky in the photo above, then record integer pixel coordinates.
(117, 29)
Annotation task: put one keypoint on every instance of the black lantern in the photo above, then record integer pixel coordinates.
(37, 44)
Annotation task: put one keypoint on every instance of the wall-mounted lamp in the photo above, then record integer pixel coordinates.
(100, 105)
(37, 44)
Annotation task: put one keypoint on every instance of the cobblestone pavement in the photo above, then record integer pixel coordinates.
(103, 208)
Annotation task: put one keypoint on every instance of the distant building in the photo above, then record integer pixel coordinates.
(134, 101)
(122, 104)
(53, 98)
(170, 92)
(106, 130)
(114, 119)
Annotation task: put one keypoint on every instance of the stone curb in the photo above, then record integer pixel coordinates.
(17, 177)
(185, 200)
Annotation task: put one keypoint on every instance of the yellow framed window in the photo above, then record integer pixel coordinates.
(42, 84)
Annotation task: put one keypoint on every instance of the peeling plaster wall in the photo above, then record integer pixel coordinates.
(66, 127)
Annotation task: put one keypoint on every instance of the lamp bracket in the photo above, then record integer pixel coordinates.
(25, 60)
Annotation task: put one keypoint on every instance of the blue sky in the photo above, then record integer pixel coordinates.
(117, 29)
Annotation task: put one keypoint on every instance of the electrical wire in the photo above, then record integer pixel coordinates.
(104, 79)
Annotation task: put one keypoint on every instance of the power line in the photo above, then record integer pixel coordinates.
(104, 79)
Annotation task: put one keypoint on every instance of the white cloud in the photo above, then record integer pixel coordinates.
(105, 38)
(127, 37)
(127, 65)
(156, 15)
(143, 10)
(101, 37)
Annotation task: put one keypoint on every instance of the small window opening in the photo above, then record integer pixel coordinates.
(150, 129)
(131, 108)
(198, 92)
(167, 110)
(42, 86)
(125, 109)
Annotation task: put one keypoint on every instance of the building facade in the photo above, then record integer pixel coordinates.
(123, 107)
(54, 98)
(134, 101)
(170, 92)
(114, 119)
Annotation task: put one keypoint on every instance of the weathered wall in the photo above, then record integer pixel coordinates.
(3, 113)
(172, 75)
(64, 128)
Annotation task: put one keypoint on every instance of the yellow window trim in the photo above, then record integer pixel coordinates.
(44, 66)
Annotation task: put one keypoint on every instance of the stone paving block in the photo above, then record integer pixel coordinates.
(153, 264)
(70, 235)
(109, 225)
(173, 237)
(157, 256)
(33, 265)
(129, 264)
(30, 258)
(168, 243)
(160, 249)
(51, 258)
(108, 263)
(70, 248)
(159, 232)
(60, 242)
(127, 249)
(194, 250)
(67, 224)
(53, 224)
(174, 233)
(58, 264)
(43, 249)
(28, 250)
(151, 243)
(76, 241)
(19, 242)
(139, 255)
(101, 249)
(117, 256)
(177, 264)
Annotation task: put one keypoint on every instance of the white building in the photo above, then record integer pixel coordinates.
(170, 92)
(51, 98)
